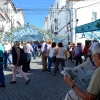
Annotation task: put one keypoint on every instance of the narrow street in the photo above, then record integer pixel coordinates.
(43, 86)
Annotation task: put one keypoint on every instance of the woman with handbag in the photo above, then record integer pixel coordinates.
(17, 64)
(51, 57)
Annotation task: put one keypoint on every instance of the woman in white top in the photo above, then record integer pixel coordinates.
(60, 57)
(49, 43)
(51, 54)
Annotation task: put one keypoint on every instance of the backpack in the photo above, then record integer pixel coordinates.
(23, 56)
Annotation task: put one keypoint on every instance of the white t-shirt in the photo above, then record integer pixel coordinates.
(51, 52)
(7, 47)
(49, 46)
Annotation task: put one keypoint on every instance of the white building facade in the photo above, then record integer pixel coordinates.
(65, 15)
(10, 15)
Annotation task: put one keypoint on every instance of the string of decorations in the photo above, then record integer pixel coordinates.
(33, 30)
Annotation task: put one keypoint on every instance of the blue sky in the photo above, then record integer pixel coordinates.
(34, 10)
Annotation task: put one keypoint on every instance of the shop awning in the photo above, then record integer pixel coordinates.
(89, 27)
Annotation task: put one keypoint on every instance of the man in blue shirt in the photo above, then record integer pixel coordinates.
(2, 78)
(36, 48)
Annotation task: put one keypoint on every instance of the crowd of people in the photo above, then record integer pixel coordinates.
(28, 49)
(53, 53)
(79, 53)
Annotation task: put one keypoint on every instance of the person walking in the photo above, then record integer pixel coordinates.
(17, 64)
(60, 57)
(28, 51)
(51, 54)
(44, 48)
(33, 52)
(6, 54)
(85, 51)
(2, 78)
(36, 48)
(77, 51)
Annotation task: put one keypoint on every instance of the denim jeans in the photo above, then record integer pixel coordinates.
(49, 64)
(33, 54)
(2, 78)
(5, 60)
(9, 59)
(6, 57)
(36, 53)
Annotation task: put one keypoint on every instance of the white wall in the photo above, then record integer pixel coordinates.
(20, 18)
(84, 15)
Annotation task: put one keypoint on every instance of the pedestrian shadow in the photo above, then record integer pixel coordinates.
(39, 63)
(69, 64)
(7, 69)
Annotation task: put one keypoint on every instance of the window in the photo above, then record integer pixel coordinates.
(57, 5)
(52, 28)
(56, 24)
(94, 16)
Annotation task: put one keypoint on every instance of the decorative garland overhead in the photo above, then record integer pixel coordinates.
(32, 32)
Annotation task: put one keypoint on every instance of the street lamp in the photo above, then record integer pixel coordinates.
(55, 20)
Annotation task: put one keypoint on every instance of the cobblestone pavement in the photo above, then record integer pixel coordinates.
(43, 86)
